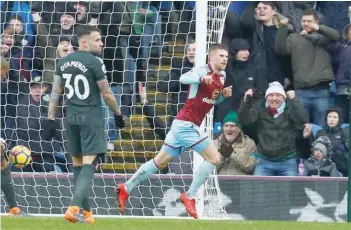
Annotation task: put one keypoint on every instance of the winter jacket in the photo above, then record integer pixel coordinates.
(28, 125)
(241, 76)
(311, 64)
(240, 161)
(339, 150)
(337, 136)
(253, 31)
(323, 168)
(341, 53)
(276, 136)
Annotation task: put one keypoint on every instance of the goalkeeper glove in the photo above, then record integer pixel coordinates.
(49, 129)
(119, 121)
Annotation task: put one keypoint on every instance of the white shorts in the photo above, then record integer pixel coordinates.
(185, 135)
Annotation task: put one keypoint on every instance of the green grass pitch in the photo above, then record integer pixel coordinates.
(30, 223)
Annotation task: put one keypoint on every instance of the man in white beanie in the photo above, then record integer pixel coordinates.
(279, 118)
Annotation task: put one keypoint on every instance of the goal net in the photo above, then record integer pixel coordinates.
(143, 42)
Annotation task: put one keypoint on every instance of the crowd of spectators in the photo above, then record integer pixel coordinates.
(289, 65)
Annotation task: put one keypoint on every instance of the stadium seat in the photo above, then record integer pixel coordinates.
(315, 129)
(344, 125)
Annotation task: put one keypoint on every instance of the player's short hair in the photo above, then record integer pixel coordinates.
(271, 4)
(217, 46)
(311, 11)
(86, 30)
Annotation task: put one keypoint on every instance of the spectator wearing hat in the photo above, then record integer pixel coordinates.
(236, 149)
(338, 137)
(311, 64)
(319, 163)
(67, 23)
(280, 117)
(29, 112)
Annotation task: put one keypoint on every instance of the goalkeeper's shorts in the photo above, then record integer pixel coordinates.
(185, 135)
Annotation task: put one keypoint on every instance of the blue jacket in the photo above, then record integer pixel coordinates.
(341, 53)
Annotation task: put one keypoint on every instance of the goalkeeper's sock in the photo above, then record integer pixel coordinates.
(141, 174)
(85, 201)
(200, 176)
(7, 187)
(83, 184)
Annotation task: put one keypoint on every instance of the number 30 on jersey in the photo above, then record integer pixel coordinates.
(75, 88)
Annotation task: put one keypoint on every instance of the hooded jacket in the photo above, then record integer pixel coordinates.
(341, 53)
(338, 138)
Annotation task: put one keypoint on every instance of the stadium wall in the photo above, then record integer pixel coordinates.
(244, 198)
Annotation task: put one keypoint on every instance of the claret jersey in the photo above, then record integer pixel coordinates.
(201, 97)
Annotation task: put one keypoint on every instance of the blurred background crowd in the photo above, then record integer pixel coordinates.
(289, 65)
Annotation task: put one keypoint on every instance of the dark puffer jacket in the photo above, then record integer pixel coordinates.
(276, 136)
(324, 168)
(339, 145)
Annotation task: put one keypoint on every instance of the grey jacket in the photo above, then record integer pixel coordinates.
(311, 63)
(323, 168)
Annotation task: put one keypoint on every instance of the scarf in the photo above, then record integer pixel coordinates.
(275, 112)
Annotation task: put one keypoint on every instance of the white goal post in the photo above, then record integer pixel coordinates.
(209, 202)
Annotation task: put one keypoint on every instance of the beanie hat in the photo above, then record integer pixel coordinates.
(275, 87)
(70, 10)
(321, 148)
(239, 44)
(232, 116)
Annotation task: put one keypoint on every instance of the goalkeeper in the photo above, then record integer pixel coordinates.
(83, 75)
(205, 90)
(6, 181)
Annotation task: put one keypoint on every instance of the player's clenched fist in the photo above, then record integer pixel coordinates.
(206, 79)
(227, 92)
(3, 145)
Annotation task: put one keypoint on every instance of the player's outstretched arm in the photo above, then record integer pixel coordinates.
(193, 76)
(110, 100)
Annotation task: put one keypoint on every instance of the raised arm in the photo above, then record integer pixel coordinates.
(329, 32)
(193, 76)
(299, 115)
(248, 112)
(282, 46)
(55, 96)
